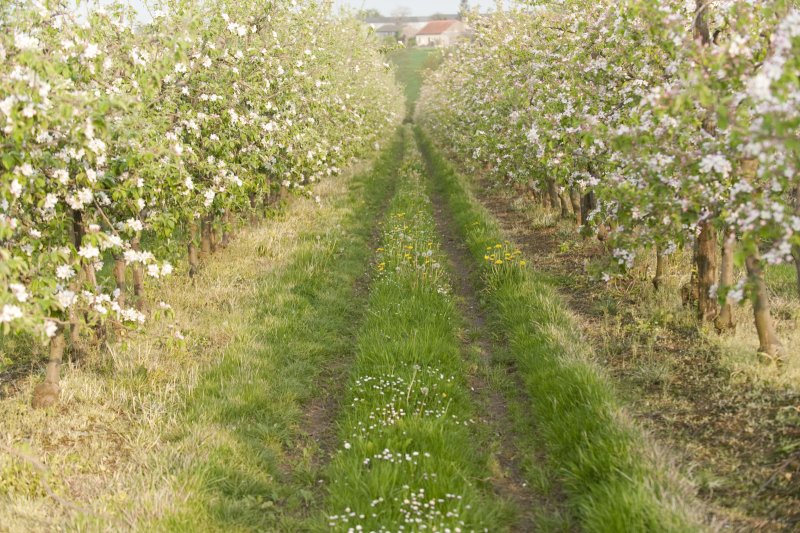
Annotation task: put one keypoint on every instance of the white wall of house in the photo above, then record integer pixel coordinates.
(432, 40)
(444, 39)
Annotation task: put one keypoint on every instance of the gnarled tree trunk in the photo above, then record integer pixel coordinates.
(769, 344)
(552, 191)
(661, 268)
(565, 203)
(194, 262)
(205, 237)
(253, 216)
(214, 238)
(724, 321)
(575, 198)
(706, 261)
(227, 230)
(46, 394)
(119, 279)
(700, 26)
(706, 247)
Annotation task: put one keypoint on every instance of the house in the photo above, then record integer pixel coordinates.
(396, 31)
(415, 22)
(441, 33)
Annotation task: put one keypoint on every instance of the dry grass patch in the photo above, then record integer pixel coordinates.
(106, 448)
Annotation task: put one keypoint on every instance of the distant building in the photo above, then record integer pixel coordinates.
(415, 22)
(396, 31)
(441, 33)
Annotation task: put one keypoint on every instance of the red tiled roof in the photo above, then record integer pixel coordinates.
(437, 27)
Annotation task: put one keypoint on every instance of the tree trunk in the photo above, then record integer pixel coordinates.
(77, 232)
(532, 191)
(547, 201)
(119, 279)
(214, 238)
(205, 237)
(194, 263)
(565, 203)
(226, 230)
(769, 344)
(589, 204)
(724, 321)
(661, 268)
(706, 260)
(77, 229)
(700, 26)
(602, 232)
(706, 246)
(796, 248)
(46, 394)
(552, 190)
(575, 197)
(138, 276)
(253, 216)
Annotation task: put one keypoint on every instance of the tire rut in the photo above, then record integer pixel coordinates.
(317, 426)
(509, 482)
(320, 414)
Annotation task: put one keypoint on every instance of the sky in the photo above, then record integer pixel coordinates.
(417, 7)
(387, 7)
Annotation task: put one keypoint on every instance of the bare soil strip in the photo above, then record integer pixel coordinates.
(508, 479)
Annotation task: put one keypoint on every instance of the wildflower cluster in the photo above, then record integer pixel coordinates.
(419, 512)
(389, 409)
(410, 247)
(425, 395)
(503, 257)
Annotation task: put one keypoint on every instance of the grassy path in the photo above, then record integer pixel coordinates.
(516, 456)
(412, 453)
(259, 420)
(410, 62)
(612, 479)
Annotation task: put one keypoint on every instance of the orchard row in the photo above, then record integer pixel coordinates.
(127, 146)
(661, 125)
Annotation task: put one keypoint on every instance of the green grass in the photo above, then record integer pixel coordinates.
(411, 63)
(408, 436)
(254, 468)
(612, 480)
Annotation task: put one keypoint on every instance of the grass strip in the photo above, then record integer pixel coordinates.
(614, 481)
(410, 63)
(409, 458)
(246, 464)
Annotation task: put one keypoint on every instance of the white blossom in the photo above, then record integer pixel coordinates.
(89, 251)
(10, 312)
(65, 272)
(19, 291)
